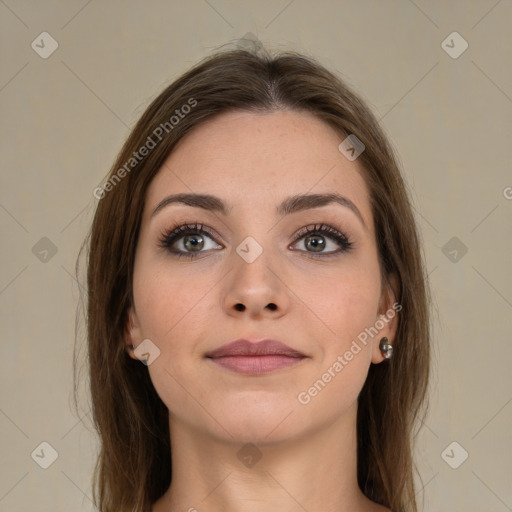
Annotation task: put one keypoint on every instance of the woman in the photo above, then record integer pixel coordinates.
(258, 313)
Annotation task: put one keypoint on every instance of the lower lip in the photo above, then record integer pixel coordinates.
(256, 365)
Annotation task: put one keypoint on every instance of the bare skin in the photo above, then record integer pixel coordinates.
(321, 302)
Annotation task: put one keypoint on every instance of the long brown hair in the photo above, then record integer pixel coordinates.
(134, 464)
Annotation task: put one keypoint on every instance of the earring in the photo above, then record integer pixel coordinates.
(386, 348)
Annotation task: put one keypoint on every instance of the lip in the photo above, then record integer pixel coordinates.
(244, 347)
(255, 358)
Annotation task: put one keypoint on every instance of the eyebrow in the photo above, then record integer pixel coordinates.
(292, 204)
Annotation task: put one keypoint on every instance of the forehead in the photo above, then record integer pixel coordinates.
(258, 159)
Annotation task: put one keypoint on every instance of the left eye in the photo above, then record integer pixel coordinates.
(316, 238)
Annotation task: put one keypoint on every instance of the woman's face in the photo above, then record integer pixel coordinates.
(311, 291)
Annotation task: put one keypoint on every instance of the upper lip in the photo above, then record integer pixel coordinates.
(244, 347)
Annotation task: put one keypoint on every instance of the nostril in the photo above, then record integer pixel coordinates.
(272, 306)
(240, 307)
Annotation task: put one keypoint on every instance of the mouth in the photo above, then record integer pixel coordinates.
(255, 358)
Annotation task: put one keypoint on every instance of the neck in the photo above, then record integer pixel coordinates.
(317, 472)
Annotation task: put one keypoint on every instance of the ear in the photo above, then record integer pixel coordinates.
(387, 318)
(132, 333)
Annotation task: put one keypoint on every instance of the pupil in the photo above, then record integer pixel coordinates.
(314, 242)
(194, 240)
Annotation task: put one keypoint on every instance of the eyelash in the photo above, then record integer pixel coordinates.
(175, 233)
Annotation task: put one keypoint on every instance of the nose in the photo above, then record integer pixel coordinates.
(256, 289)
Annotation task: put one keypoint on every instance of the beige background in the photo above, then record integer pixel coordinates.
(65, 117)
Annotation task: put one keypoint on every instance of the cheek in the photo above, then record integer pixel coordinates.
(342, 303)
(347, 307)
(168, 301)
(170, 310)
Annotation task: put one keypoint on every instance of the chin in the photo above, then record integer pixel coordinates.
(261, 422)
